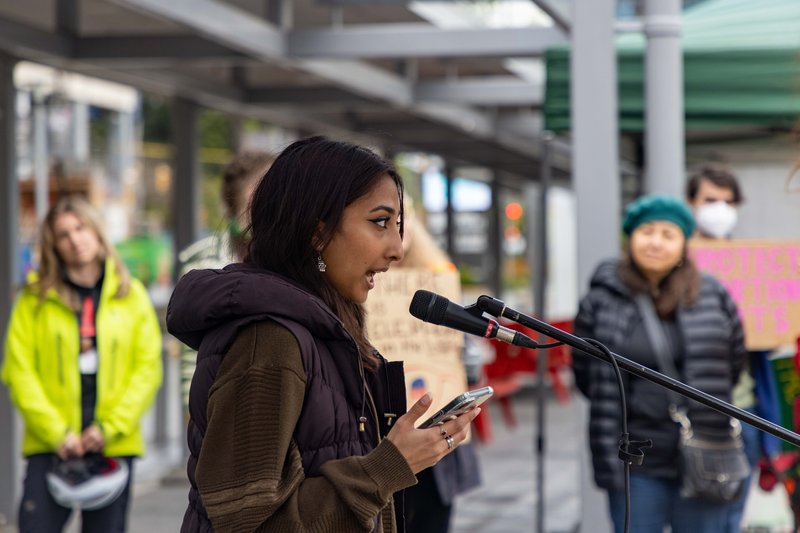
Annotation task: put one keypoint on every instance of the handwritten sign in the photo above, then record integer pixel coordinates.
(431, 354)
(763, 277)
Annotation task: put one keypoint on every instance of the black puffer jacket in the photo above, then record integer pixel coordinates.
(713, 355)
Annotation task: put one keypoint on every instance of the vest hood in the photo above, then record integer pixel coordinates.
(221, 301)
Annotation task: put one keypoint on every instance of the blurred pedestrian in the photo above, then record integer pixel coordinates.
(239, 180)
(428, 505)
(702, 329)
(294, 416)
(714, 194)
(82, 363)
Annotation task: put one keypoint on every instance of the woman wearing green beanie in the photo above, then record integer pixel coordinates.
(698, 321)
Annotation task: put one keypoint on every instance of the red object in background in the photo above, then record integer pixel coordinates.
(510, 361)
(775, 469)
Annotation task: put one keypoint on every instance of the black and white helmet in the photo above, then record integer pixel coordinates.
(88, 483)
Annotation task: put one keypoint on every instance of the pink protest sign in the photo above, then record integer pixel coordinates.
(763, 278)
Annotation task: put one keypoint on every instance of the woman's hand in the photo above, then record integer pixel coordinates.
(71, 447)
(423, 448)
(92, 439)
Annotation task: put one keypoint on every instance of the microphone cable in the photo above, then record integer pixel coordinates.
(629, 451)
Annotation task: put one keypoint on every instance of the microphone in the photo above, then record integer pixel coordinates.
(493, 306)
(430, 307)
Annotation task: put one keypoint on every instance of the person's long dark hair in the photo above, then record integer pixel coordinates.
(298, 207)
(679, 287)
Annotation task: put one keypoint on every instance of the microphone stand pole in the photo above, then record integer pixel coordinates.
(498, 308)
(539, 262)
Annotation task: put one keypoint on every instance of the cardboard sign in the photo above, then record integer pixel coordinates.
(431, 354)
(763, 277)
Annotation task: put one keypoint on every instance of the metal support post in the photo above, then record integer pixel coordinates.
(122, 141)
(450, 214)
(496, 238)
(664, 129)
(539, 262)
(595, 133)
(41, 161)
(186, 185)
(10, 465)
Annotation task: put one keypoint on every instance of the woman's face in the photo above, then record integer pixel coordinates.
(657, 248)
(367, 242)
(76, 243)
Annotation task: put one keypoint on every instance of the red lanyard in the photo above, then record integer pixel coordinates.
(87, 318)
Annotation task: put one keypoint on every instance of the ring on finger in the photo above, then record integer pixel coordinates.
(450, 442)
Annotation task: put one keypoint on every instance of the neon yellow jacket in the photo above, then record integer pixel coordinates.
(41, 367)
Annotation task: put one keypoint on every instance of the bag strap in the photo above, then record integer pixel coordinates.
(659, 342)
(663, 352)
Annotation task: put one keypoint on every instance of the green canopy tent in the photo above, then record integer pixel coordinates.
(741, 69)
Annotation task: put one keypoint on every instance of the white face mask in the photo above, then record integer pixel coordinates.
(716, 219)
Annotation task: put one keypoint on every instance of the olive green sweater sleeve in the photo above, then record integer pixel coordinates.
(249, 473)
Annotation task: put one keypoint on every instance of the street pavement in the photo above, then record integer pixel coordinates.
(506, 502)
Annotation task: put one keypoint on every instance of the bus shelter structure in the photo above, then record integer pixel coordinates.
(378, 73)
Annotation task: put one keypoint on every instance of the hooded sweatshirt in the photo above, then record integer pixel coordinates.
(276, 405)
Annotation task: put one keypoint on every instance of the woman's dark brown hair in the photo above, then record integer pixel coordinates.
(679, 287)
(298, 207)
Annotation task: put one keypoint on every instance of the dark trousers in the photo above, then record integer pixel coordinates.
(39, 513)
(425, 512)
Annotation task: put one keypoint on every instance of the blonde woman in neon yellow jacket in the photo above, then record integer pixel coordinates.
(82, 362)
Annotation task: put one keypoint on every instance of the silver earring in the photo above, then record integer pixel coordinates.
(321, 266)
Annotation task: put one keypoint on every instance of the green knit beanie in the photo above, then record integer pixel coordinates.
(658, 207)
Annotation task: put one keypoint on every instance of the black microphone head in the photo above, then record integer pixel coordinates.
(428, 307)
(490, 305)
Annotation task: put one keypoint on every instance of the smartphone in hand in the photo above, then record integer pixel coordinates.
(460, 405)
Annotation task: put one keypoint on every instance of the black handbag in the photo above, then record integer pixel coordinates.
(713, 465)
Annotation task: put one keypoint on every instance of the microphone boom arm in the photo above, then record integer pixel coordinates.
(497, 308)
